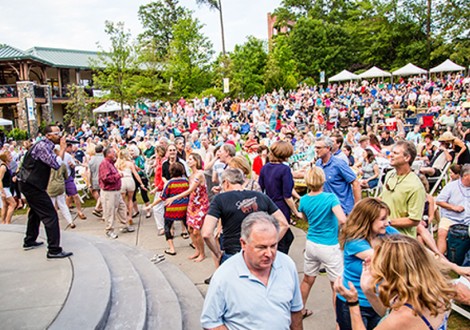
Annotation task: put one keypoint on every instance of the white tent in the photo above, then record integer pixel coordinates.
(5, 122)
(375, 72)
(409, 70)
(110, 106)
(447, 66)
(344, 75)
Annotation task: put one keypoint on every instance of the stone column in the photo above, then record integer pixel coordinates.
(26, 90)
(47, 107)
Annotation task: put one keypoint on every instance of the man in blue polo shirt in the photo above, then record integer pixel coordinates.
(340, 179)
(257, 288)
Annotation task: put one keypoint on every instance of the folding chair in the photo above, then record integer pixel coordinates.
(81, 184)
(436, 181)
(375, 192)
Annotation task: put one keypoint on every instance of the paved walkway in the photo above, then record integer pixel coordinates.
(146, 238)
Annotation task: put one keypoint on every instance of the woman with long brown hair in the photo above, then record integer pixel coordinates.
(406, 286)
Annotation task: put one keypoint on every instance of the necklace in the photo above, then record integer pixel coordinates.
(398, 181)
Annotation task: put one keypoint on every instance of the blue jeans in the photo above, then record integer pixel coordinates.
(369, 316)
(458, 243)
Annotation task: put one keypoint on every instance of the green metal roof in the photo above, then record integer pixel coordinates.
(10, 53)
(55, 57)
(65, 58)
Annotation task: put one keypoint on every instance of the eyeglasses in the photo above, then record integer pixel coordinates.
(55, 133)
(395, 178)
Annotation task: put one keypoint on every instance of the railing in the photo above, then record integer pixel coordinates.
(8, 91)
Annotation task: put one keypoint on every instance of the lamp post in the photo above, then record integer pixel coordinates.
(26, 109)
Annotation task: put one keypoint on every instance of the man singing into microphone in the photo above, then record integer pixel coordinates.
(33, 179)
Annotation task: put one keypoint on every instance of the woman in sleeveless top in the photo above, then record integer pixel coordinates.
(198, 205)
(404, 284)
(8, 201)
(127, 168)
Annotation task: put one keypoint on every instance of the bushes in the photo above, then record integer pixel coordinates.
(215, 92)
(18, 134)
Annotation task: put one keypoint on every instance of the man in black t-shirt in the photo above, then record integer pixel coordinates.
(232, 207)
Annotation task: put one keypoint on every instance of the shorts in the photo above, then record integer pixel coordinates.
(7, 192)
(330, 256)
(445, 223)
(70, 187)
(127, 184)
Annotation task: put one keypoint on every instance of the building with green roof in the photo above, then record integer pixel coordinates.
(41, 74)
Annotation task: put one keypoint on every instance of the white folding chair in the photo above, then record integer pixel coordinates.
(436, 181)
(375, 192)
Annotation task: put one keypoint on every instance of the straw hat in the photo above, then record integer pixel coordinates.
(446, 137)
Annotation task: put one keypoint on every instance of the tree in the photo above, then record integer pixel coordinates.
(281, 69)
(157, 19)
(249, 65)
(188, 62)
(115, 69)
(216, 4)
(78, 109)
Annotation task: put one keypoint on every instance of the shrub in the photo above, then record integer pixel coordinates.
(18, 134)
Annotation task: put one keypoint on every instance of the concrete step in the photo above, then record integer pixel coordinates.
(128, 300)
(163, 308)
(89, 299)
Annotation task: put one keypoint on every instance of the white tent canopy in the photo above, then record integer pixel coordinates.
(344, 75)
(110, 106)
(409, 70)
(447, 66)
(5, 122)
(375, 72)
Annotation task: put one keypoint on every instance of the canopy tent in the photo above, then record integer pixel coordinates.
(110, 106)
(375, 72)
(5, 122)
(344, 75)
(447, 66)
(409, 70)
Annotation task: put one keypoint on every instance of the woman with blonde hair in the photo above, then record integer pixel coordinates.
(242, 164)
(8, 201)
(405, 284)
(324, 215)
(127, 168)
(366, 223)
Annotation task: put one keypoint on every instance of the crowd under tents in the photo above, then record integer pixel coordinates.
(408, 70)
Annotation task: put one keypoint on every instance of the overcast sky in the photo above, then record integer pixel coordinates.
(79, 24)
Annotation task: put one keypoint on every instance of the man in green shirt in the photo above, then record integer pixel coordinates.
(403, 191)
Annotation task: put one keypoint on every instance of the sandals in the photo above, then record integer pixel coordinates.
(157, 258)
(306, 313)
(170, 253)
(185, 235)
(81, 215)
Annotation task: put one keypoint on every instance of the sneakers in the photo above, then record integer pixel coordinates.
(111, 234)
(128, 229)
(59, 255)
(31, 246)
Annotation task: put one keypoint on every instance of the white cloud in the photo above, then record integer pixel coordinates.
(79, 24)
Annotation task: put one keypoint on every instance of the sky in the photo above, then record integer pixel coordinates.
(79, 24)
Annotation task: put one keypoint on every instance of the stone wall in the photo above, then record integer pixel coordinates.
(26, 90)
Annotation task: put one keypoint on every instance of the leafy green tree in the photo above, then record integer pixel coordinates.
(281, 69)
(115, 69)
(188, 62)
(157, 19)
(78, 109)
(249, 65)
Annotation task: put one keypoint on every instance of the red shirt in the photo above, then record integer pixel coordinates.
(109, 177)
(158, 175)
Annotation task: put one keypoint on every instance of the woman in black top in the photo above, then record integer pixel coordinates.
(8, 201)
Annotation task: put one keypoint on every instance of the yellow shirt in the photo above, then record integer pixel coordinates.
(405, 196)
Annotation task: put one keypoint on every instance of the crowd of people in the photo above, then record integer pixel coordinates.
(237, 173)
